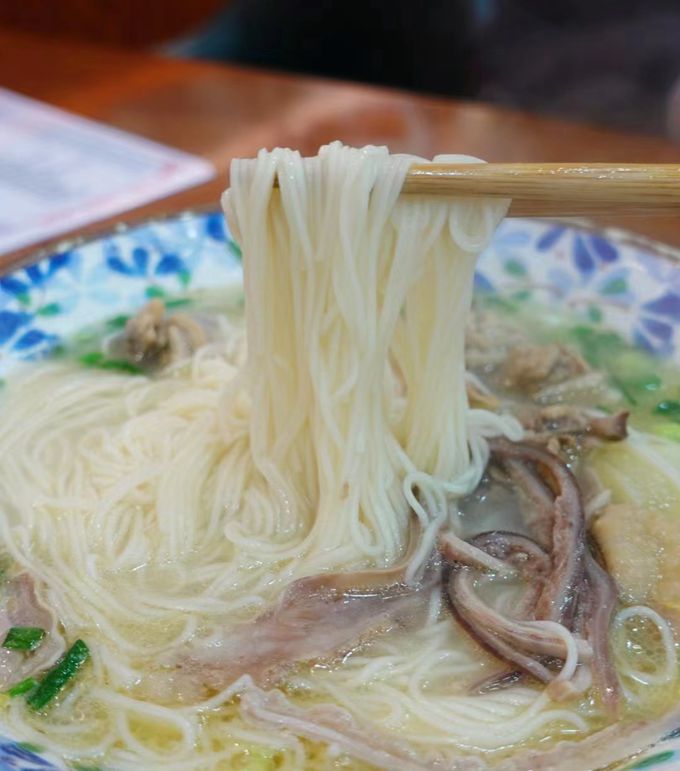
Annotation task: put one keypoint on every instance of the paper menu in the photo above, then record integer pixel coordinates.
(59, 171)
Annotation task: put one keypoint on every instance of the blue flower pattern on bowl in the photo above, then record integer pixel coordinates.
(629, 285)
(22, 757)
(625, 283)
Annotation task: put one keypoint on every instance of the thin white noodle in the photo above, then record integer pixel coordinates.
(669, 671)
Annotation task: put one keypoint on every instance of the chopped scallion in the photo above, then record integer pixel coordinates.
(23, 638)
(117, 322)
(177, 302)
(59, 676)
(100, 361)
(23, 687)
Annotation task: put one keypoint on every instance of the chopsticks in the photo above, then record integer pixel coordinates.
(556, 189)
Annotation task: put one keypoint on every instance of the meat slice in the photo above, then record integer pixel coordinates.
(612, 427)
(564, 425)
(333, 725)
(153, 339)
(22, 607)
(529, 367)
(308, 624)
(316, 618)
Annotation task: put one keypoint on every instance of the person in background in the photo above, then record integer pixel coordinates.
(607, 61)
(423, 46)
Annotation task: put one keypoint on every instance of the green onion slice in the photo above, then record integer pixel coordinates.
(24, 638)
(59, 676)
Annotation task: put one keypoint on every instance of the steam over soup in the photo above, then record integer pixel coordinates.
(359, 525)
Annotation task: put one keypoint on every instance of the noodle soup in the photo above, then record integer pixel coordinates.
(339, 530)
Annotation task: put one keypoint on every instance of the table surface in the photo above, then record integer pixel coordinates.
(221, 112)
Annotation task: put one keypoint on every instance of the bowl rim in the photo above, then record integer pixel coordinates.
(658, 249)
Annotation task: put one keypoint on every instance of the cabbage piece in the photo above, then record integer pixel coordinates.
(639, 531)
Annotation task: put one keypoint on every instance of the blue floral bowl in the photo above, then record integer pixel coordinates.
(621, 281)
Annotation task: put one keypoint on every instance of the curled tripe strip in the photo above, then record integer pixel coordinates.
(522, 641)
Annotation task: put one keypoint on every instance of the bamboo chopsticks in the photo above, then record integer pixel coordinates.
(556, 189)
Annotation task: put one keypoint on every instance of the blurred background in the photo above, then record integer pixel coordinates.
(611, 62)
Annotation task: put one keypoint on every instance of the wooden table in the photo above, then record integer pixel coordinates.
(220, 112)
